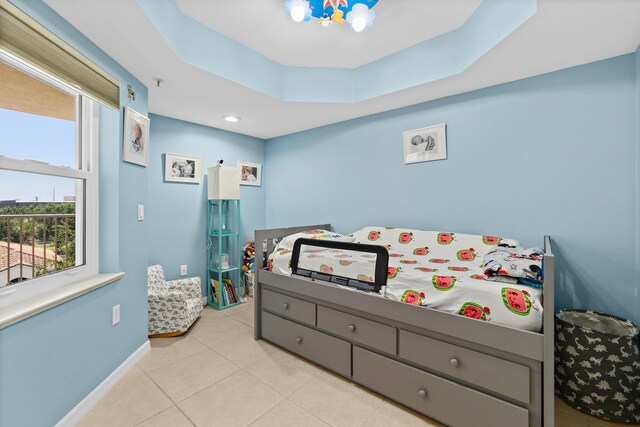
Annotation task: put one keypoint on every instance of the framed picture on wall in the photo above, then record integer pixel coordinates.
(181, 168)
(425, 144)
(250, 173)
(135, 147)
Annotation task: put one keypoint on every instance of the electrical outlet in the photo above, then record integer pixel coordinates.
(115, 315)
(140, 212)
(183, 270)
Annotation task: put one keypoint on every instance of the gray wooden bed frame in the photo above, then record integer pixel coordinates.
(453, 369)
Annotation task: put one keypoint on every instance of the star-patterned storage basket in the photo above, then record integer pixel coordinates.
(598, 364)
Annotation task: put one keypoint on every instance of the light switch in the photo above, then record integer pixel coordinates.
(115, 315)
(140, 212)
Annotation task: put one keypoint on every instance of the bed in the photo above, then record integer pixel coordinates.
(429, 340)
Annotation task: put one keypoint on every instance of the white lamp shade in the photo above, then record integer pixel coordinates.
(224, 183)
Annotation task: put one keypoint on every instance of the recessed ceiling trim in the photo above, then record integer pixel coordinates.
(443, 56)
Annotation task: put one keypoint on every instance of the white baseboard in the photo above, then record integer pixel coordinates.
(81, 409)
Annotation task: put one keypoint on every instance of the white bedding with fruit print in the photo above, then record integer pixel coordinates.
(439, 270)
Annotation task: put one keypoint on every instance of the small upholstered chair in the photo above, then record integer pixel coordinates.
(173, 305)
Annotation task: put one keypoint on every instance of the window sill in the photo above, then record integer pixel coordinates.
(32, 306)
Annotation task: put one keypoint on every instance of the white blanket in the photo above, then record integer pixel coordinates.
(442, 271)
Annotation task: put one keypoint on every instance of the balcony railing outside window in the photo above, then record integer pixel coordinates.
(33, 245)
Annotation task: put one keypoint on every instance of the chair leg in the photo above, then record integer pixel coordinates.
(175, 334)
(168, 335)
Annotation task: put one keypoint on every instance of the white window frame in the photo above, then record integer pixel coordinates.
(87, 220)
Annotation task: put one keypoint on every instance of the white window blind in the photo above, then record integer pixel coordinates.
(24, 39)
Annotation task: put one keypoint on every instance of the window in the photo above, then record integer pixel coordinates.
(48, 183)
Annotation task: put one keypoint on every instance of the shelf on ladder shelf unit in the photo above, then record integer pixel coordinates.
(224, 270)
(223, 233)
(223, 220)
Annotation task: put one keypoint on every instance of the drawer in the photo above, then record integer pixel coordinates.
(291, 307)
(451, 403)
(357, 329)
(325, 350)
(499, 375)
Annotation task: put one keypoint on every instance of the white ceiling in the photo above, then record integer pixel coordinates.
(562, 34)
(265, 26)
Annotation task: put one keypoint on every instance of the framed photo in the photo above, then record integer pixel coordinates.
(181, 168)
(250, 173)
(136, 138)
(425, 145)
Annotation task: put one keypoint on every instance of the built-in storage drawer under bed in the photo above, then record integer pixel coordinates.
(290, 307)
(325, 350)
(499, 375)
(438, 398)
(357, 329)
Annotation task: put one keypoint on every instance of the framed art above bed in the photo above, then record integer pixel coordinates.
(425, 144)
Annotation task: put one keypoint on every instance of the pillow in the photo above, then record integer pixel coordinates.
(287, 242)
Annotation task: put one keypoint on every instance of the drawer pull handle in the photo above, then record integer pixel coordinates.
(352, 328)
(454, 362)
(286, 305)
(422, 393)
(299, 340)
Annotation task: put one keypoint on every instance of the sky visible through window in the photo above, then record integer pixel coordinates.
(34, 137)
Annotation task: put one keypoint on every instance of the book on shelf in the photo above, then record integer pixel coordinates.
(225, 294)
(231, 292)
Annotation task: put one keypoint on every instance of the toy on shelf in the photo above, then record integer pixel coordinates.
(248, 265)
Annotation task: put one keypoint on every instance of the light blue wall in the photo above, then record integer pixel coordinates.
(177, 212)
(50, 362)
(544, 155)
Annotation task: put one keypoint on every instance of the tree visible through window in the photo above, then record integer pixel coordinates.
(41, 240)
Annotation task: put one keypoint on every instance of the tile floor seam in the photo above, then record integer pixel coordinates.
(309, 412)
(225, 357)
(348, 382)
(281, 398)
(255, 361)
(147, 419)
(382, 401)
(263, 415)
(364, 422)
(224, 340)
(174, 361)
(317, 416)
(268, 385)
(185, 414)
(175, 403)
(161, 391)
(178, 359)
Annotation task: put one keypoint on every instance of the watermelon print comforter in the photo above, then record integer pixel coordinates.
(439, 270)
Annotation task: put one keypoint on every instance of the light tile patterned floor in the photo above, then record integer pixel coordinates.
(217, 375)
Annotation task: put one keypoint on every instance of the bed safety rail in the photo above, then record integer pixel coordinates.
(306, 246)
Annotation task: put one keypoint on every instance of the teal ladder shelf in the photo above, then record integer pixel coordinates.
(223, 236)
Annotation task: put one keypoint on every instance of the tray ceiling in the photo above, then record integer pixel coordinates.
(560, 34)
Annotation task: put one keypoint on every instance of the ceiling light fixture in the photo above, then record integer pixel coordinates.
(299, 10)
(231, 119)
(357, 13)
(360, 17)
